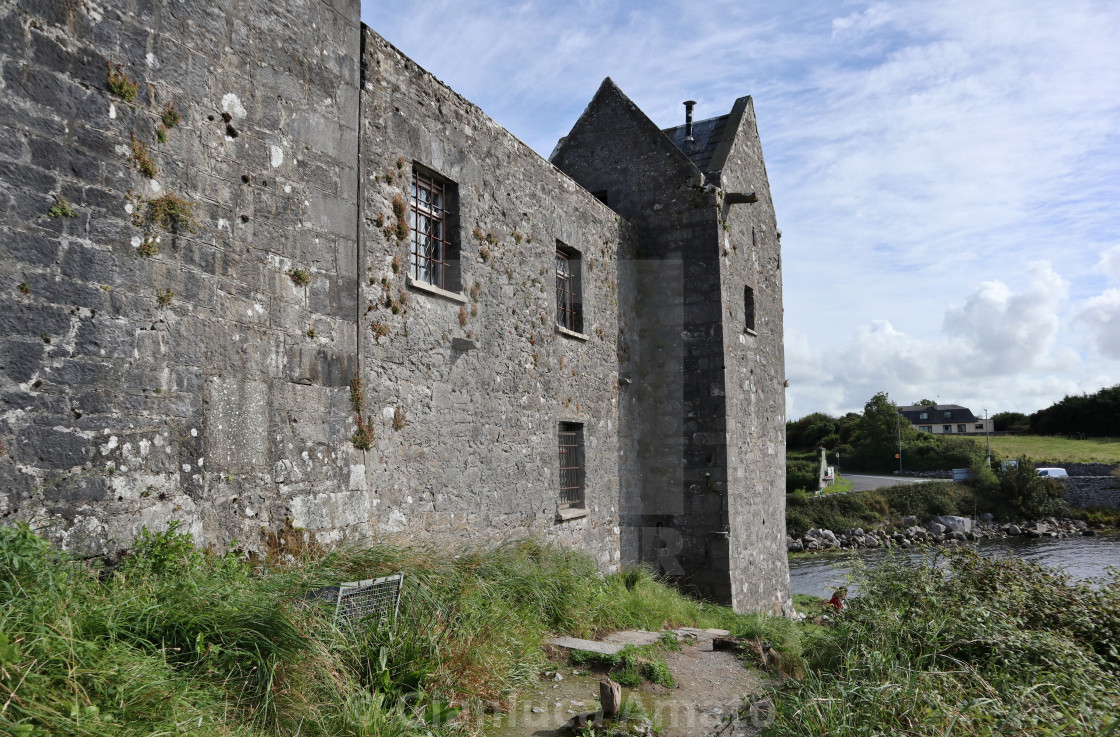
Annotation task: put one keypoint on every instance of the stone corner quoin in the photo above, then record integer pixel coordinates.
(267, 275)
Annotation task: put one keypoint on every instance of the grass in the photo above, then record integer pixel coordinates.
(1043, 448)
(176, 639)
(979, 647)
(840, 486)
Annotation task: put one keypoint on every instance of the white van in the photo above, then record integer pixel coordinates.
(1054, 473)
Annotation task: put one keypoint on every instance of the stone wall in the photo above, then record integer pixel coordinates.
(185, 383)
(482, 375)
(753, 361)
(1084, 492)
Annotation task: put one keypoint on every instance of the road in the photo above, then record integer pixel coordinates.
(864, 482)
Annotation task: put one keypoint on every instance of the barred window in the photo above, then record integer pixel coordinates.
(569, 305)
(571, 465)
(434, 256)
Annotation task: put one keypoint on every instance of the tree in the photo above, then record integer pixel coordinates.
(1010, 422)
(924, 403)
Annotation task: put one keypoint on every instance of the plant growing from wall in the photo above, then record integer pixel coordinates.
(169, 212)
(164, 297)
(475, 291)
(400, 210)
(169, 116)
(142, 159)
(364, 435)
(299, 277)
(396, 264)
(400, 420)
(120, 84)
(357, 395)
(24, 287)
(484, 252)
(462, 317)
(161, 134)
(380, 330)
(149, 246)
(61, 209)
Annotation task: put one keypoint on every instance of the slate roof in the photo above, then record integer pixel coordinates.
(706, 135)
(937, 413)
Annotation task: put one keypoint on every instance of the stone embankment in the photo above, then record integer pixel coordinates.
(938, 531)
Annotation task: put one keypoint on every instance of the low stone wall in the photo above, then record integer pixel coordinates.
(1083, 492)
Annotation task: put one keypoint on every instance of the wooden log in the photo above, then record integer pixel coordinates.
(610, 696)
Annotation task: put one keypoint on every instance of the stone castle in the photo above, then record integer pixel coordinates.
(264, 273)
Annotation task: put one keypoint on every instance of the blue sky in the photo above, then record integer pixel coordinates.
(946, 174)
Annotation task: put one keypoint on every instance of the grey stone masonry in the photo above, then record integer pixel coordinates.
(155, 370)
(263, 274)
(704, 425)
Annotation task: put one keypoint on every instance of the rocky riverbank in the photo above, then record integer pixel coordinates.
(937, 531)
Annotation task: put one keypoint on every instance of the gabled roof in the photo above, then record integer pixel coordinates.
(610, 95)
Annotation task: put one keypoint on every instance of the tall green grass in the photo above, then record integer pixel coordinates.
(980, 647)
(175, 640)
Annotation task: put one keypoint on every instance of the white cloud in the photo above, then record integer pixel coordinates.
(1102, 313)
(1109, 265)
(922, 156)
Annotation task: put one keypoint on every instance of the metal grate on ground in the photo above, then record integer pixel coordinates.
(374, 598)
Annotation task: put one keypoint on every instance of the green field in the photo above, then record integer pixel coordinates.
(1040, 448)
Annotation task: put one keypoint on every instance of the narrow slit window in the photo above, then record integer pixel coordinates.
(748, 309)
(571, 465)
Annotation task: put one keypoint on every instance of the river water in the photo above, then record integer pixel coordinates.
(1081, 557)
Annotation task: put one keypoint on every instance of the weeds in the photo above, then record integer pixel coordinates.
(61, 209)
(164, 297)
(149, 246)
(299, 277)
(179, 640)
(142, 159)
(365, 434)
(24, 288)
(985, 647)
(120, 84)
(400, 420)
(170, 212)
(169, 116)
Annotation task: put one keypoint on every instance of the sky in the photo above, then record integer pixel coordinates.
(946, 175)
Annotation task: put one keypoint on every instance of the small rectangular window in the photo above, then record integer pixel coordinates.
(925, 428)
(571, 465)
(748, 309)
(569, 302)
(434, 252)
(923, 416)
(979, 427)
(960, 428)
(946, 428)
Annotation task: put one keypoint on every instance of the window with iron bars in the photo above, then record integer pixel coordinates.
(434, 254)
(571, 465)
(569, 304)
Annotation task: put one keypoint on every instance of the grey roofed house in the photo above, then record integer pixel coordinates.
(945, 419)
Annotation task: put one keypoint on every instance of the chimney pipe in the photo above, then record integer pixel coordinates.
(688, 105)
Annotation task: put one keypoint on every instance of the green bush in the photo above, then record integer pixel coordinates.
(985, 647)
(802, 476)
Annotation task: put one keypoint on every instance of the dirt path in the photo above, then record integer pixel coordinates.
(710, 686)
